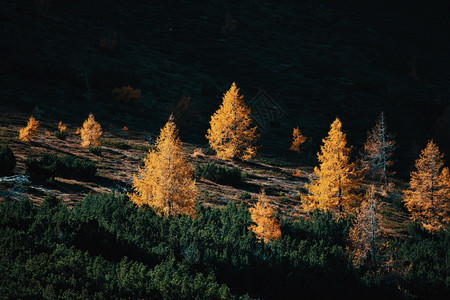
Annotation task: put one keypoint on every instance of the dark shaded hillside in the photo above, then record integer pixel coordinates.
(317, 59)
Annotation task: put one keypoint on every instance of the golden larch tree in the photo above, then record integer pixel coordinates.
(378, 151)
(166, 182)
(266, 227)
(297, 140)
(90, 132)
(62, 127)
(28, 133)
(366, 230)
(231, 133)
(428, 195)
(336, 179)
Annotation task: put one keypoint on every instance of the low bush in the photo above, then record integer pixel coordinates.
(223, 175)
(49, 166)
(72, 167)
(104, 247)
(123, 145)
(60, 134)
(114, 143)
(245, 195)
(7, 160)
(95, 150)
(41, 169)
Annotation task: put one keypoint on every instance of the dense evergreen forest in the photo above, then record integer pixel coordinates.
(107, 248)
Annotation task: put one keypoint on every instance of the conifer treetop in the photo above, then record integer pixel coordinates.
(336, 179)
(29, 132)
(166, 182)
(428, 195)
(267, 227)
(231, 133)
(90, 132)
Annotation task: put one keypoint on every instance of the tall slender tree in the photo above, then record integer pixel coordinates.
(366, 231)
(378, 151)
(28, 133)
(166, 182)
(336, 179)
(428, 195)
(266, 227)
(231, 133)
(90, 132)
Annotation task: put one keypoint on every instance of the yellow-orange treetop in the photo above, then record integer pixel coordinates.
(267, 227)
(166, 182)
(28, 133)
(62, 127)
(428, 195)
(334, 187)
(90, 132)
(297, 140)
(231, 133)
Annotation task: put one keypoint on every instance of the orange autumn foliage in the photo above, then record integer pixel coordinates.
(428, 195)
(28, 133)
(61, 126)
(231, 133)
(166, 182)
(337, 178)
(297, 140)
(266, 227)
(90, 132)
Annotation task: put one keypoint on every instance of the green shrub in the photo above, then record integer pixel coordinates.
(245, 195)
(114, 143)
(60, 134)
(106, 248)
(223, 175)
(123, 145)
(7, 160)
(49, 166)
(72, 167)
(41, 169)
(95, 150)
